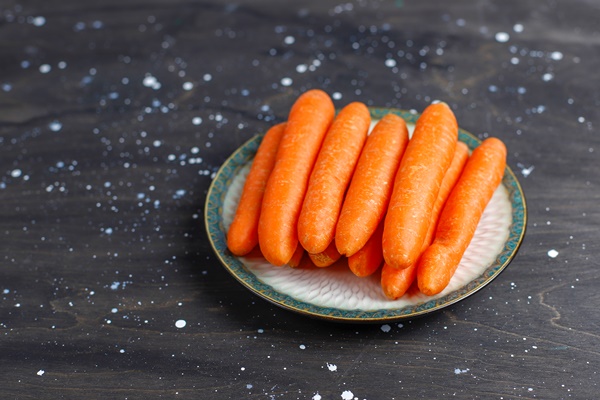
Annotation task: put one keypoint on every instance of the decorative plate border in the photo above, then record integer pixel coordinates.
(213, 211)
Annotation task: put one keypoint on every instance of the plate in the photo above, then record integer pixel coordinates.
(334, 293)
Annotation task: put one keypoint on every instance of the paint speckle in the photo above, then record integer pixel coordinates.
(188, 86)
(390, 63)
(41, 372)
(386, 328)
(286, 81)
(525, 171)
(302, 347)
(332, 367)
(518, 28)
(336, 96)
(502, 37)
(347, 395)
(196, 120)
(38, 21)
(207, 77)
(317, 396)
(45, 68)
(180, 323)
(547, 77)
(151, 82)
(552, 253)
(289, 40)
(556, 55)
(459, 371)
(114, 310)
(15, 173)
(301, 68)
(55, 126)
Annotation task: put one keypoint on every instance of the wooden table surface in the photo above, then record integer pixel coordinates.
(115, 116)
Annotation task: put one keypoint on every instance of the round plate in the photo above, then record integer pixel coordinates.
(335, 293)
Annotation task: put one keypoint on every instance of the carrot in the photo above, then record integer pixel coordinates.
(423, 166)
(331, 176)
(308, 121)
(371, 186)
(461, 214)
(327, 257)
(395, 282)
(368, 259)
(243, 232)
(297, 257)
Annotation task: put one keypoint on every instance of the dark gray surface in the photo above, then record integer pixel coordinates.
(103, 180)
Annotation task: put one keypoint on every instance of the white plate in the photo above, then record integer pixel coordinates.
(334, 293)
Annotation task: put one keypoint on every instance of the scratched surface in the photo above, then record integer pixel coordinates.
(115, 115)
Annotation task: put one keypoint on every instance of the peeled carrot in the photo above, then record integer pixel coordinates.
(422, 169)
(331, 176)
(243, 232)
(325, 258)
(371, 186)
(308, 122)
(297, 257)
(461, 214)
(368, 259)
(395, 282)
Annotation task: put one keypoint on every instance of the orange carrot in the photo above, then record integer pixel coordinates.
(327, 257)
(296, 258)
(371, 186)
(423, 166)
(395, 282)
(308, 122)
(461, 214)
(368, 259)
(331, 176)
(243, 232)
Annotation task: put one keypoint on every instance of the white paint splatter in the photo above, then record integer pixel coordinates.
(502, 37)
(15, 173)
(525, 171)
(317, 396)
(115, 285)
(459, 371)
(302, 347)
(332, 367)
(301, 68)
(518, 28)
(38, 21)
(188, 86)
(289, 40)
(151, 82)
(207, 77)
(347, 395)
(196, 120)
(556, 55)
(552, 253)
(286, 81)
(114, 310)
(336, 96)
(386, 328)
(547, 77)
(390, 63)
(41, 372)
(181, 323)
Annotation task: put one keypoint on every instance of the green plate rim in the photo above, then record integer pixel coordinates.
(217, 236)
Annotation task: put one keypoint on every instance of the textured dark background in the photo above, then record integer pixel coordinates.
(114, 116)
